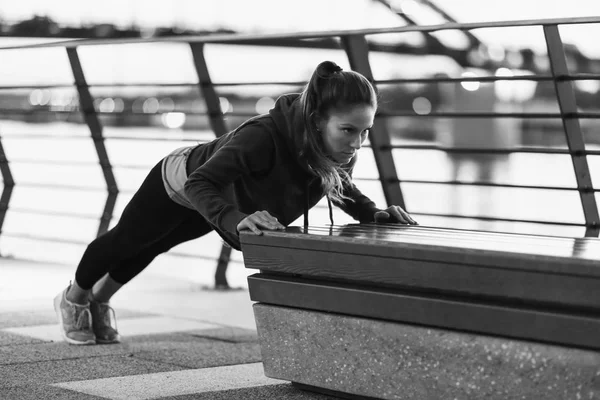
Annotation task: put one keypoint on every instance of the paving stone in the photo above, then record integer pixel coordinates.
(174, 383)
(283, 391)
(38, 392)
(227, 334)
(78, 369)
(27, 318)
(193, 352)
(399, 361)
(9, 339)
(57, 351)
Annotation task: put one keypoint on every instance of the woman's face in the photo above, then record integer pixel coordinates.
(344, 130)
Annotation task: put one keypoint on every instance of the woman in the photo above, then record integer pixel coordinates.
(263, 175)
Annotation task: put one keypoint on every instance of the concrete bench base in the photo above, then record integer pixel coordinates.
(386, 360)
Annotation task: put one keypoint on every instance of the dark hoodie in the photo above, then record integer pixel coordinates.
(258, 167)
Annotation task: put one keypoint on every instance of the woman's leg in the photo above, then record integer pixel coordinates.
(103, 316)
(149, 217)
(191, 228)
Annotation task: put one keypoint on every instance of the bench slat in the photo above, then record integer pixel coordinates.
(544, 325)
(568, 256)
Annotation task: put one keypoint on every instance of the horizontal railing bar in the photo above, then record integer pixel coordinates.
(106, 138)
(70, 187)
(585, 115)
(279, 83)
(486, 78)
(399, 147)
(466, 183)
(52, 162)
(151, 139)
(535, 150)
(134, 166)
(582, 76)
(31, 87)
(45, 238)
(42, 136)
(20, 111)
(80, 163)
(60, 186)
(490, 78)
(494, 219)
(387, 114)
(499, 185)
(455, 183)
(249, 38)
(24, 210)
(85, 243)
(380, 114)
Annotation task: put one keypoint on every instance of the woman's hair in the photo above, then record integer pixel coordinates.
(330, 88)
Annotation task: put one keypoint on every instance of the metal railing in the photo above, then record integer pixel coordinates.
(357, 48)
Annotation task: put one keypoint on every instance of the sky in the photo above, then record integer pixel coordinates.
(269, 16)
(280, 14)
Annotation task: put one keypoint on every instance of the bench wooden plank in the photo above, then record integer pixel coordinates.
(544, 325)
(569, 256)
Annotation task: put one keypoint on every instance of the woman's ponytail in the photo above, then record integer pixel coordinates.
(330, 87)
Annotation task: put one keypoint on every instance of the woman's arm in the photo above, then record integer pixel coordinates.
(249, 151)
(363, 209)
(359, 206)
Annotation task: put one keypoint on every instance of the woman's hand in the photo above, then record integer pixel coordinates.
(394, 214)
(259, 219)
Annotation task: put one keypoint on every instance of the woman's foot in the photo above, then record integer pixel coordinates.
(75, 320)
(103, 324)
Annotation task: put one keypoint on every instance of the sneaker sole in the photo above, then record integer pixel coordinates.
(114, 341)
(67, 339)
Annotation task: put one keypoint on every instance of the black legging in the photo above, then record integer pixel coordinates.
(150, 225)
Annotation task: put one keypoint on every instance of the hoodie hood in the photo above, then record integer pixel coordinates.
(287, 116)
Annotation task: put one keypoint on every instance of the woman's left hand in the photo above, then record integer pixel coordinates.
(394, 214)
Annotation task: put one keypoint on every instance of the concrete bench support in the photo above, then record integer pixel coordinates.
(388, 360)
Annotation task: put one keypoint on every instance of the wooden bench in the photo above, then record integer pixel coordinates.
(412, 312)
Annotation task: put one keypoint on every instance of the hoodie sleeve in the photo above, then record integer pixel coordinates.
(359, 207)
(250, 151)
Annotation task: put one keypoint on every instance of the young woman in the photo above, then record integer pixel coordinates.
(263, 175)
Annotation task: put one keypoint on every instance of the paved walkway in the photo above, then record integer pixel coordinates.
(180, 342)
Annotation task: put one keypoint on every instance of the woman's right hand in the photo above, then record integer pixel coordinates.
(260, 219)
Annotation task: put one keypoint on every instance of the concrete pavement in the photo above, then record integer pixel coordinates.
(180, 341)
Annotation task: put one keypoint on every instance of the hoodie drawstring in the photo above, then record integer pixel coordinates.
(306, 206)
(330, 210)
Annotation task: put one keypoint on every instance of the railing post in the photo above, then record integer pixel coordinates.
(7, 189)
(86, 104)
(217, 123)
(568, 108)
(357, 49)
